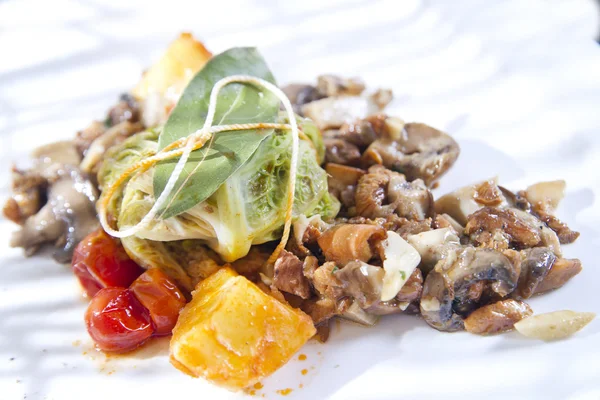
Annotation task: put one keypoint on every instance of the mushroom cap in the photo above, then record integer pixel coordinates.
(446, 288)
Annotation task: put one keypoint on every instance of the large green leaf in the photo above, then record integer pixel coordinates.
(237, 103)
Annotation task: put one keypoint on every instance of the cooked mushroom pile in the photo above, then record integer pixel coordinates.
(466, 261)
(54, 201)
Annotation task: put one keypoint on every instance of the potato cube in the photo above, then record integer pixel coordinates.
(233, 334)
(184, 57)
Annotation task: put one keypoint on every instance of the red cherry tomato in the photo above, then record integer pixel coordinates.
(161, 297)
(100, 261)
(117, 321)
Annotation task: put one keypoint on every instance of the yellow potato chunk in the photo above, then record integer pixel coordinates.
(184, 57)
(233, 334)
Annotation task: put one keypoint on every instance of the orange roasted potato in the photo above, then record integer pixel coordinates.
(170, 75)
(233, 334)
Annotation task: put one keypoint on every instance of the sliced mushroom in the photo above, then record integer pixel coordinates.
(52, 157)
(445, 221)
(548, 236)
(382, 192)
(563, 232)
(28, 190)
(300, 94)
(340, 151)
(412, 199)
(116, 134)
(323, 309)
(497, 317)
(389, 307)
(85, 137)
(306, 232)
(348, 242)
(126, 109)
(516, 200)
(68, 216)
(348, 176)
(490, 224)
(412, 289)
(356, 314)
(446, 288)
(534, 269)
(419, 152)
(362, 282)
(365, 131)
(289, 277)
(560, 273)
(541, 200)
(342, 181)
(326, 283)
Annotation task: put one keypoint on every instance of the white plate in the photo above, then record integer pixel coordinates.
(517, 83)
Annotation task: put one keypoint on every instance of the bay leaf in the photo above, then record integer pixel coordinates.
(237, 103)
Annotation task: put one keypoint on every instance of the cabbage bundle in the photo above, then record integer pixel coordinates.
(248, 208)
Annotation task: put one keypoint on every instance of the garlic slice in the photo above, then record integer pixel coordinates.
(554, 325)
(401, 259)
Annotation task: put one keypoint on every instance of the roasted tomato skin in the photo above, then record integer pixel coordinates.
(100, 261)
(117, 321)
(155, 290)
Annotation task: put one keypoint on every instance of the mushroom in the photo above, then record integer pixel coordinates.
(365, 131)
(64, 211)
(340, 151)
(548, 236)
(446, 288)
(382, 192)
(356, 314)
(534, 269)
(347, 176)
(27, 194)
(300, 94)
(348, 242)
(364, 283)
(342, 181)
(126, 109)
(490, 226)
(67, 217)
(361, 281)
(288, 275)
(544, 198)
(560, 273)
(541, 200)
(418, 151)
(445, 221)
(497, 317)
(114, 135)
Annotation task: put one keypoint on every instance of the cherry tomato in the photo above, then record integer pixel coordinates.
(161, 297)
(117, 321)
(100, 261)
